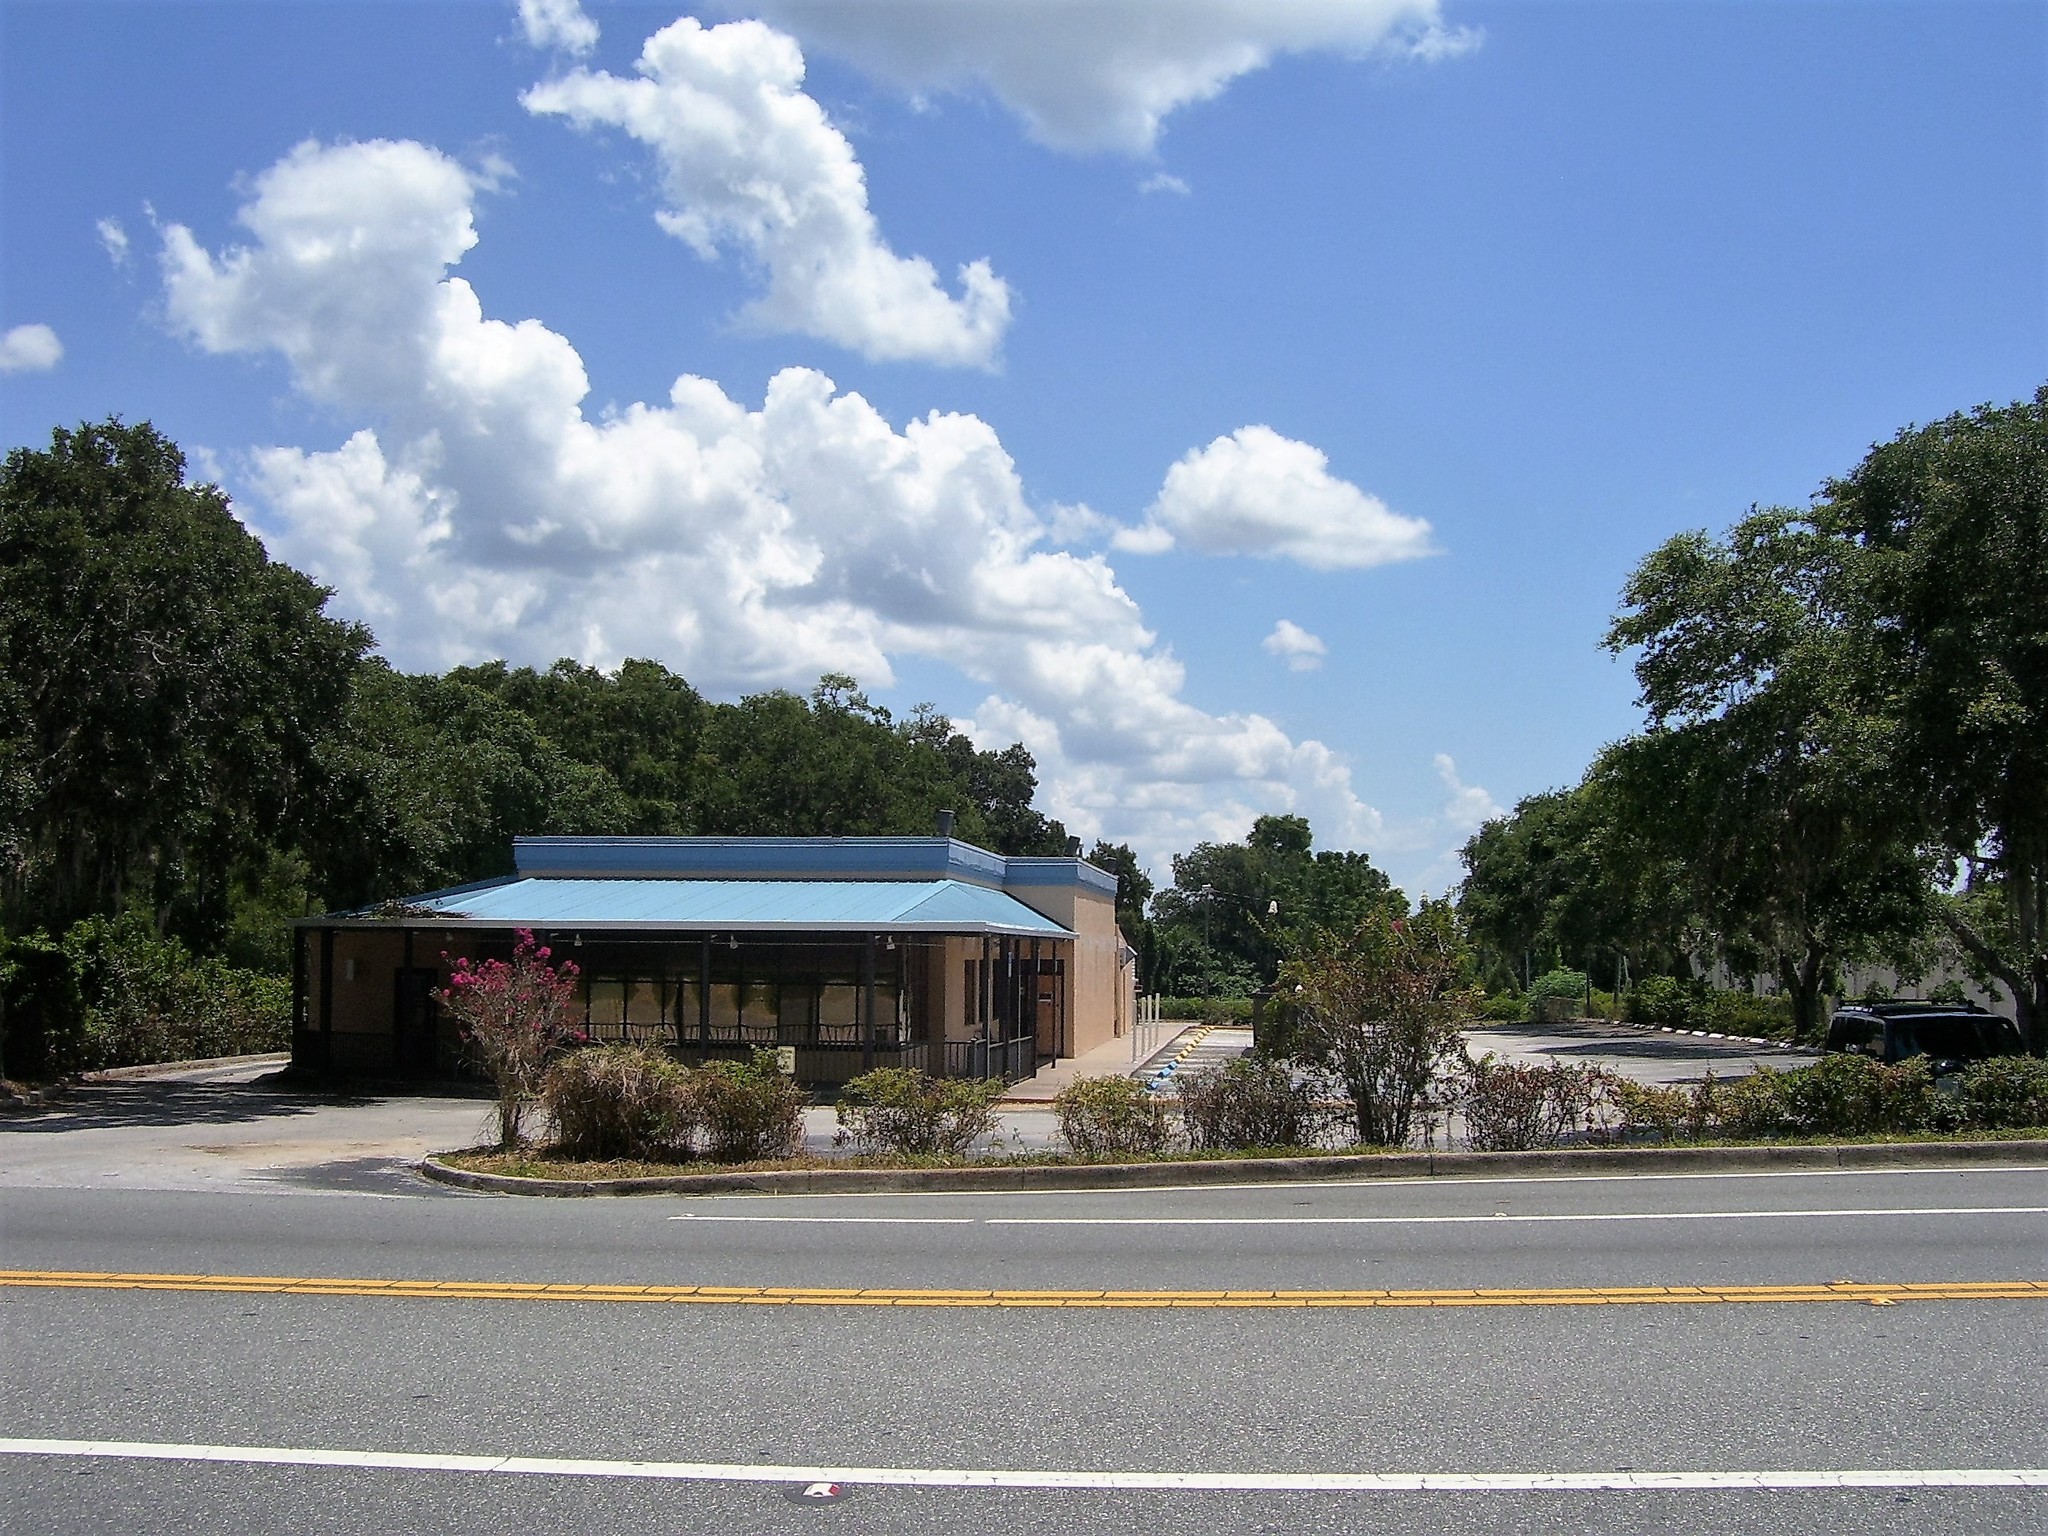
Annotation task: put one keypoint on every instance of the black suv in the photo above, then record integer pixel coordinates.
(1953, 1034)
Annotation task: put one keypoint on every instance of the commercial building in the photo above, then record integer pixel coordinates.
(855, 952)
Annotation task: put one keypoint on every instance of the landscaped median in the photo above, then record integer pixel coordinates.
(629, 1119)
(527, 1174)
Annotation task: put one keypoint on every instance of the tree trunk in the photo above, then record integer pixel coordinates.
(2031, 1006)
(1803, 980)
(2029, 988)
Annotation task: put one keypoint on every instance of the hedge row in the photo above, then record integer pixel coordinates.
(112, 993)
(1845, 1095)
(634, 1102)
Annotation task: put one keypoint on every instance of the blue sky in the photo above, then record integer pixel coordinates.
(1251, 407)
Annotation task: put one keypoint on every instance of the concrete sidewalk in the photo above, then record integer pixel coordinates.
(1113, 1058)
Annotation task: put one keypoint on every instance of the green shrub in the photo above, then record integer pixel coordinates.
(1512, 1107)
(2007, 1093)
(1679, 1004)
(1664, 1000)
(1245, 1103)
(1504, 1008)
(748, 1110)
(1669, 1113)
(1753, 1105)
(1839, 1095)
(900, 1109)
(621, 1101)
(42, 1014)
(148, 999)
(1910, 1098)
(1206, 1010)
(1745, 1013)
(1113, 1117)
(1571, 984)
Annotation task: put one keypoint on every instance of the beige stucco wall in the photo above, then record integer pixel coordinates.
(955, 1012)
(362, 1026)
(362, 1005)
(1100, 988)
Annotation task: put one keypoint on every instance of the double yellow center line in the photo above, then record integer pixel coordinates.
(1867, 1293)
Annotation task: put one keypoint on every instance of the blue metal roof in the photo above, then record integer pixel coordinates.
(744, 906)
(791, 858)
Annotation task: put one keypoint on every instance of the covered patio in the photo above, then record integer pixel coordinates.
(955, 976)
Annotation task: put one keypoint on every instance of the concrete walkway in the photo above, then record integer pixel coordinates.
(1113, 1058)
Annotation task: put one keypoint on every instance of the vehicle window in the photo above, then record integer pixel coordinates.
(1944, 1039)
(2002, 1036)
(1848, 1031)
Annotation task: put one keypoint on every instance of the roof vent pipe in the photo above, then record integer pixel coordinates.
(945, 823)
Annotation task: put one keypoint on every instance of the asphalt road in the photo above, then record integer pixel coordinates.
(1087, 1401)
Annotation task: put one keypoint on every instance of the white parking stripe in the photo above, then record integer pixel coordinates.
(950, 1477)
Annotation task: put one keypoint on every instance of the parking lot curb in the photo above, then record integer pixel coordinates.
(1264, 1170)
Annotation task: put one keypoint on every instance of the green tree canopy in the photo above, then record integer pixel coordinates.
(1133, 885)
(1235, 910)
(1561, 881)
(166, 684)
(1766, 774)
(1950, 522)
(425, 782)
(641, 724)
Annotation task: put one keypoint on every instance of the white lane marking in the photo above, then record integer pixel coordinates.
(1438, 1181)
(1354, 1221)
(861, 1221)
(963, 1477)
(1495, 1217)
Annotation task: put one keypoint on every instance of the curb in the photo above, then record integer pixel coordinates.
(166, 1068)
(1262, 1170)
(1789, 1047)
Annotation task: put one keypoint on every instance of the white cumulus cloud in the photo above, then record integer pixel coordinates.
(1258, 493)
(1106, 73)
(481, 512)
(1469, 806)
(114, 240)
(1302, 651)
(30, 349)
(557, 24)
(748, 159)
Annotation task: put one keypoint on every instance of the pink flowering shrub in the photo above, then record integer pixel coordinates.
(514, 1016)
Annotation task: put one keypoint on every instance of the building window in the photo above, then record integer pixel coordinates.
(629, 1010)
